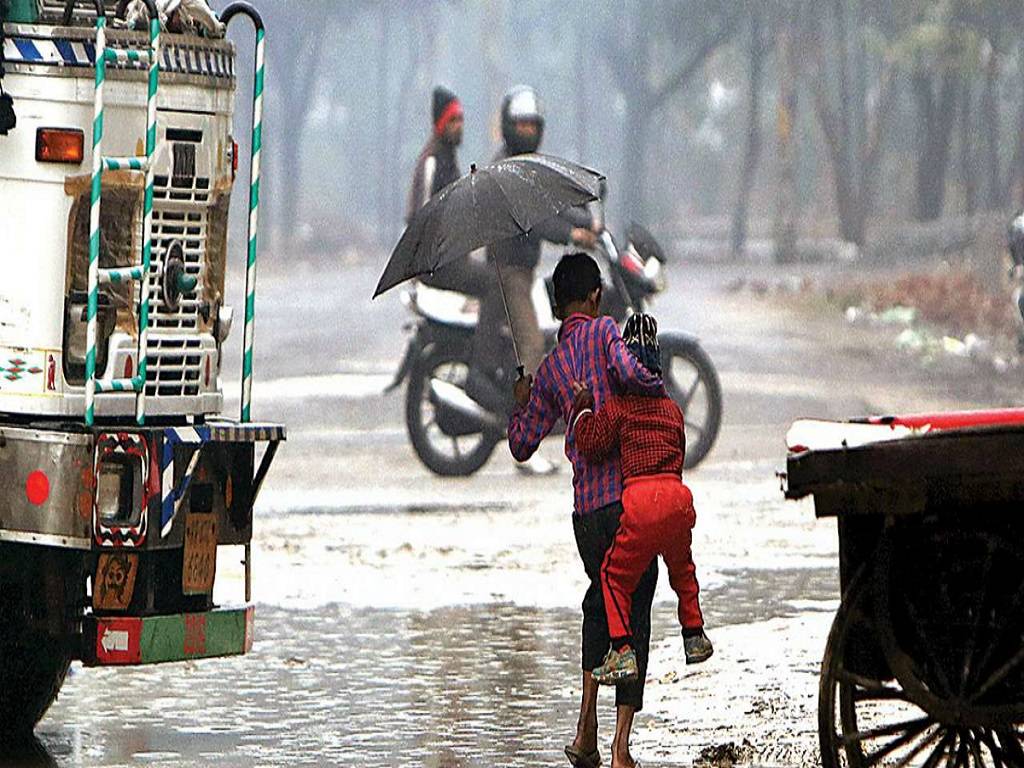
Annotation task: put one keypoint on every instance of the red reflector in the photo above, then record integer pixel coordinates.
(60, 145)
(37, 488)
(234, 158)
(129, 367)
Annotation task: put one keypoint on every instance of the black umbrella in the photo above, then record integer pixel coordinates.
(504, 199)
(501, 200)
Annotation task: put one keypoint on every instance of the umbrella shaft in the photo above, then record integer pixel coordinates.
(508, 316)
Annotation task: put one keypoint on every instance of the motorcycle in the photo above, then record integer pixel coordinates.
(455, 436)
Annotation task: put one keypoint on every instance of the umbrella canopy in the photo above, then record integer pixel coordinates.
(504, 199)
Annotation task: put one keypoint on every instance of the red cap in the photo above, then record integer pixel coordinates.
(453, 110)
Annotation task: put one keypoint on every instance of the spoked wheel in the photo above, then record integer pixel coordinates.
(902, 682)
(446, 441)
(692, 382)
(951, 606)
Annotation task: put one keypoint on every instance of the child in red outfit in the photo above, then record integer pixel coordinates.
(658, 515)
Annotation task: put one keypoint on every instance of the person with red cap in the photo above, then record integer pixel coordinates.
(436, 168)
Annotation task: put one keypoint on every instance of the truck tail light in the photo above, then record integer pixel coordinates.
(118, 490)
(60, 145)
(234, 159)
(37, 487)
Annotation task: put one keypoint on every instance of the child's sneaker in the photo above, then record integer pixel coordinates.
(698, 648)
(617, 668)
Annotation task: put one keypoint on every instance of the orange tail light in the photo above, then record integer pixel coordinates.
(60, 145)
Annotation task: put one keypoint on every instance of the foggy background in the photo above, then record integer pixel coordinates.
(772, 126)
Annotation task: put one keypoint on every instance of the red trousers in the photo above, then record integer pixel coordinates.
(658, 519)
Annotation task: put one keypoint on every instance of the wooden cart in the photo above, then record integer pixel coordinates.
(924, 664)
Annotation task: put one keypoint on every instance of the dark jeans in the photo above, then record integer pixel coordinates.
(595, 532)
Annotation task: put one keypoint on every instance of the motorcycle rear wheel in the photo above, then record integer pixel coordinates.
(692, 382)
(445, 448)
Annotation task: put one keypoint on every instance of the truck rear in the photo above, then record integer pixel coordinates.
(120, 476)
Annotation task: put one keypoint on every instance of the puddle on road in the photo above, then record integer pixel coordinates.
(460, 686)
(328, 507)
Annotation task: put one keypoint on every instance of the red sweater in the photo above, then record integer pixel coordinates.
(648, 431)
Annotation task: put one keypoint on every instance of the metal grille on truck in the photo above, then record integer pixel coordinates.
(180, 214)
(53, 11)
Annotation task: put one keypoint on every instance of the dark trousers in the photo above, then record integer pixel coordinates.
(491, 349)
(595, 532)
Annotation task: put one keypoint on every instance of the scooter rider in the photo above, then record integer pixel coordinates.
(522, 128)
(436, 168)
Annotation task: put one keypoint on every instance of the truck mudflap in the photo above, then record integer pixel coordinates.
(136, 640)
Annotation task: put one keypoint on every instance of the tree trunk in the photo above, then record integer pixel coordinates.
(785, 232)
(416, 35)
(492, 18)
(290, 188)
(582, 74)
(937, 122)
(634, 167)
(967, 175)
(1016, 175)
(384, 181)
(860, 96)
(990, 122)
(295, 77)
(738, 235)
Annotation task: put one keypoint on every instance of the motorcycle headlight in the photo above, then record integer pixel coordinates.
(654, 273)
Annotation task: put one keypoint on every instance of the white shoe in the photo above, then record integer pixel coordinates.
(537, 465)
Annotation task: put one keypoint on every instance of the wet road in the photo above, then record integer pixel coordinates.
(456, 686)
(410, 620)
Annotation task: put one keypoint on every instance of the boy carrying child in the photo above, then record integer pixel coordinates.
(658, 516)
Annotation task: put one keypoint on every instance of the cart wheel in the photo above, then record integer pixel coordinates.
(867, 718)
(949, 605)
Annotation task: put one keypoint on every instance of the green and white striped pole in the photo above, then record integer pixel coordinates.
(147, 220)
(254, 197)
(94, 222)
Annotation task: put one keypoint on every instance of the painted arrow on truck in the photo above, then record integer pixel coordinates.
(130, 640)
(118, 641)
(115, 640)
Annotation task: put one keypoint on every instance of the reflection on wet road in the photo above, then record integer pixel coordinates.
(452, 687)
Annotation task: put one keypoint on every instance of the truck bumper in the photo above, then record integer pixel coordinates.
(51, 492)
(133, 641)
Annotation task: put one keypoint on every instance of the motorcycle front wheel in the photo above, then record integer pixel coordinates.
(448, 443)
(692, 382)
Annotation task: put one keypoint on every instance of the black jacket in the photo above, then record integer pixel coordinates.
(524, 251)
(436, 168)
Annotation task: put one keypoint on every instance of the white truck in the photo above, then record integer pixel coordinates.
(119, 474)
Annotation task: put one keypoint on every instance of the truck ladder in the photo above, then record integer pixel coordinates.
(233, 10)
(101, 163)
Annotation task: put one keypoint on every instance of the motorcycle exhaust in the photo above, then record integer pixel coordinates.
(446, 394)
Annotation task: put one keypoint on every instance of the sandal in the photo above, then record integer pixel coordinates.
(581, 759)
